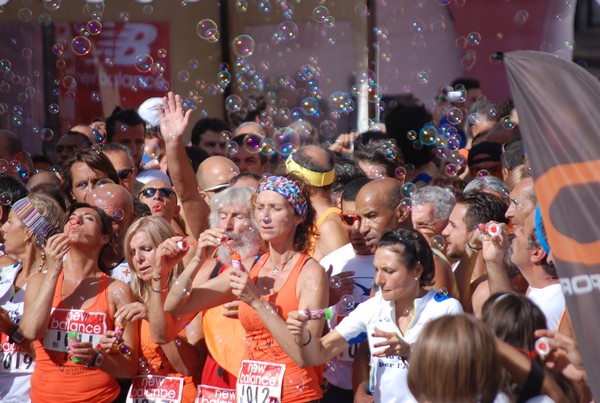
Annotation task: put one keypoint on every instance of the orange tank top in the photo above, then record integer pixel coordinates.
(261, 346)
(56, 378)
(320, 220)
(158, 364)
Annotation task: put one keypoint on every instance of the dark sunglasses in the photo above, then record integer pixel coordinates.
(164, 192)
(124, 174)
(349, 219)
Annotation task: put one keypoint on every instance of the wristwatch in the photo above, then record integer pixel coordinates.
(15, 336)
(97, 359)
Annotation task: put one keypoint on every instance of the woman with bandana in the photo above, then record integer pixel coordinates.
(284, 279)
(30, 222)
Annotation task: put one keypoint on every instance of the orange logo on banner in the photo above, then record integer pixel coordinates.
(548, 186)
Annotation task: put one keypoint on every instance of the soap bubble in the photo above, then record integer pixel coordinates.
(52, 5)
(53, 109)
(24, 15)
(287, 30)
(427, 135)
(233, 103)
(94, 27)
(507, 123)
(46, 134)
(183, 286)
(438, 242)
(81, 45)
(454, 116)
(5, 65)
(521, 17)
(327, 129)
(232, 148)
(143, 63)
(451, 170)
(252, 142)
(311, 285)
(335, 282)
(162, 53)
(483, 172)
(320, 14)
(243, 45)
(347, 302)
(341, 102)
(241, 5)
(295, 383)
(474, 38)
(401, 174)
(330, 366)
(118, 214)
(267, 147)
(207, 29)
(310, 106)
(17, 120)
(5, 199)
(408, 189)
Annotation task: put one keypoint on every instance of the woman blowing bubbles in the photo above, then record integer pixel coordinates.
(284, 279)
(392, 319)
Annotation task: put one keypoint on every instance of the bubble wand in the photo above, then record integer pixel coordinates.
(119, 344)
(347, 303)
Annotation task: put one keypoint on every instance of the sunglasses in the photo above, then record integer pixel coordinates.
(164, 192)
(217, 188)
(349, 219)
(124, 174)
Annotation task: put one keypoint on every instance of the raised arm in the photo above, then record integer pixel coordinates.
(40, 289)
(173, 123)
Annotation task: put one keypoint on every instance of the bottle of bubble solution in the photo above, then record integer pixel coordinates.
(72, 337)
(236, 260)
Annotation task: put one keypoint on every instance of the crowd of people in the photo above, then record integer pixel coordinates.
(403, 264)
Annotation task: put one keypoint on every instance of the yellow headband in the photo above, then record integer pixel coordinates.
(317, 179)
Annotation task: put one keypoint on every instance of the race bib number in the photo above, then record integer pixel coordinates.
(155, 389)
(210, 394)
(90, 327)
(260, 382)
(13, 359)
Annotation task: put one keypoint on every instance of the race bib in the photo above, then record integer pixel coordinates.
(155, 389)
(90, 327)
(211, 394)
(13, 359)
(260, 382)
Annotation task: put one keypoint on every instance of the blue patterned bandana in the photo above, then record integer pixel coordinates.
(288, 189)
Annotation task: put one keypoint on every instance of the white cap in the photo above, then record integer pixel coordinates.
(148, 110)
(149, 175)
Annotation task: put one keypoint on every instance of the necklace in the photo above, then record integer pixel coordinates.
(276, 269)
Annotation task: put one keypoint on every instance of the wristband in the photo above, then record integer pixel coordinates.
(472, 249)
(309, 339)
(15, 336)
(160, 290)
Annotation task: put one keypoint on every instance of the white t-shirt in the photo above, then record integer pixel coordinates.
(122, 272)
(551, 301)
(388, 374)
(344, 260)
(16, 366)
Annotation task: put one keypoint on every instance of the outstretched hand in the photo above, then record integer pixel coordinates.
(392, 345)
(173, 120)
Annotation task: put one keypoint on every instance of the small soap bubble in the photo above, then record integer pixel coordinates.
(252, 142)
(408, 189)
(451, 170)
(26, 53)
(96, 96)
(243, 45)
(124, 17)
(81, 46)
(400, 174)
(521, 17)
(233, 103)
(443, 292)
(53, 109)
(161, 53)
(267, 147)
(183, 286)
(454, 116)
(118, 214)
(330, 366)
(24, 15)
(46, 134)
(483, 172)
(427, 135)
(411, 135)
(310, 106)
(232, 148)
(94, 27)
(143, 63)
(295, 383)
(5, 198)
(335, 282)
(320, 14)
(17, 110)
(287, 30)
(422, 77)
(327, 129)
(417, 25)
(241, 5)
(311, 285)
(474, 38)
(144, 366)
(347, 302)
(207, 29)
(57, 170)
(507, 123)
(438, 242)
(17, 120)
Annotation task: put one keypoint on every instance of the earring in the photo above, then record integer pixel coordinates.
(416, 278)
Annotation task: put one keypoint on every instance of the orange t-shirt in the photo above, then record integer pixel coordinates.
(160, 365)
(56, 378)
(261, 346)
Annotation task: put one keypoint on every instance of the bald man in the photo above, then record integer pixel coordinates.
(316, 166)
(214, 175)
(87, 131)
(117, 202)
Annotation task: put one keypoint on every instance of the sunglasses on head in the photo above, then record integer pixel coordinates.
(164, 192)
(124, 174)
(349, 219)
(217, 188)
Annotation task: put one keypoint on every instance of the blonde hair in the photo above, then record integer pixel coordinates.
(516, 175)
(158, 229)
(454, 361)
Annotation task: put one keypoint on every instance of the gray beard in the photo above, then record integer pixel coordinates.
(248, 244)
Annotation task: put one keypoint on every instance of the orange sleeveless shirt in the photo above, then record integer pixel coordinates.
(56, 378)
(160, 365)
(261, 346)
(320, 220)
